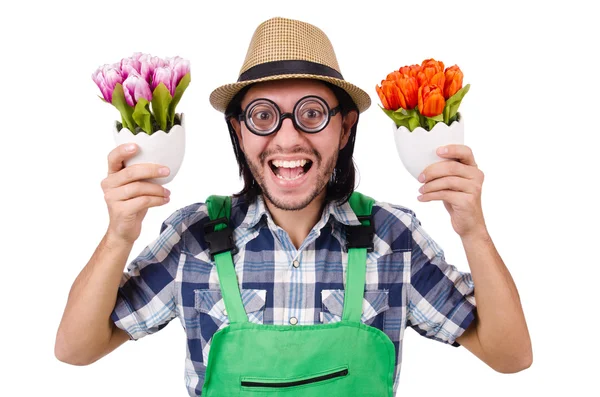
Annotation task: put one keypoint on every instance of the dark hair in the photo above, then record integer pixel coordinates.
(340, 185)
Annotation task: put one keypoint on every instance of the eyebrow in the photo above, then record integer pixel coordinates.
(327, 101)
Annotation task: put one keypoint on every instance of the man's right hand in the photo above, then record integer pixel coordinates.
(127, 196)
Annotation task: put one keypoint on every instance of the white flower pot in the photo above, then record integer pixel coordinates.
(159, 148)
(417, 149)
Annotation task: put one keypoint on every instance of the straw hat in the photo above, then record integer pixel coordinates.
(288, 49)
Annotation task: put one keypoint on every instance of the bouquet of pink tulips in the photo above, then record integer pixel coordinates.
(145, 89)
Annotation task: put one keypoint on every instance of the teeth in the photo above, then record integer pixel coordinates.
(290, 179)
(290, 164)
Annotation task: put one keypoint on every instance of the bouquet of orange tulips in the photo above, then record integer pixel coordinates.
(422, 95)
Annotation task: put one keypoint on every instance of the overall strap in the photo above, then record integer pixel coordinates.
(219, 237)
(359, 241)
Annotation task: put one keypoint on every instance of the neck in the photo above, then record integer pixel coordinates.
(299, 223)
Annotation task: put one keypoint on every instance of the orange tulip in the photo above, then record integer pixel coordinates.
(398, 92)
(410, 71)
(454, 80)
(390, 95)
(432, 72)
(382, 97)
(431, 67)
(431, 100)
(410, 90)
(394, 76)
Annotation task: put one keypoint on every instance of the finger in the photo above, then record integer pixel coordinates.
(449, 196)
(141, 203)
(454, 183)
(447, 168)
(136, 189)
(135, 173)
(462, 153)
(118, 155)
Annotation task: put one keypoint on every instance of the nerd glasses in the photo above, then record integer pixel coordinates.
(311, 114)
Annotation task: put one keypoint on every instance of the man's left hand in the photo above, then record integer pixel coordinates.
(457, 182)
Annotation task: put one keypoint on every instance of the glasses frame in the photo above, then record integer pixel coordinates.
(282, 116)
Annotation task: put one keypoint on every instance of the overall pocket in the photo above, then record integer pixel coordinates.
(209, 315)
(275, 384)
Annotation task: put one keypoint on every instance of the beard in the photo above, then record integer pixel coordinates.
(323, 176)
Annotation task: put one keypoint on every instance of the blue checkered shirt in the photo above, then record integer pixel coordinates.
(408, 282)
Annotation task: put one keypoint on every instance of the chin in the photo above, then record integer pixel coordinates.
(290, 201)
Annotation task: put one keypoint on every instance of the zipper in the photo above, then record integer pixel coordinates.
(322, 378)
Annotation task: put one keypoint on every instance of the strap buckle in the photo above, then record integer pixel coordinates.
(361, 236)
(219, 241)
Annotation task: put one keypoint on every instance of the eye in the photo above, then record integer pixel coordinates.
(262, 116)
(312, 114)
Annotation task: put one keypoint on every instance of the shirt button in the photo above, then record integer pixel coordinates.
(296, 264)
(225, 311)
(293, 320)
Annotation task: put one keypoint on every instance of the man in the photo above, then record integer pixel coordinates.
(293, 274)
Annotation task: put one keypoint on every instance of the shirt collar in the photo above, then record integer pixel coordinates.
(342, 213)
(256, 210)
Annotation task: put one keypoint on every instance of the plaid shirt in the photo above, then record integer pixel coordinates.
(408, 282)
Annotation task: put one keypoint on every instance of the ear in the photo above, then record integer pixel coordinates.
(347, 124)
(235, 124)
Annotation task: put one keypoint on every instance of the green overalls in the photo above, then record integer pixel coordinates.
(346, 358)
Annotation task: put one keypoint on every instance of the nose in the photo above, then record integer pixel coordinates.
(288, 135)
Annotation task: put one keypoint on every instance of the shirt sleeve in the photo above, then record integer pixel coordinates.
(441, 302)
(146, 299)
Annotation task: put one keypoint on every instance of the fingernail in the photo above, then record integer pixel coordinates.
(163, 171)
(130, 147)
(420, 198)
(421, 189)
(422, 177)
(442, 150)
(167, 192)
(166, 199)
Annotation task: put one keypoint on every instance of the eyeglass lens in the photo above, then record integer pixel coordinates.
(311, 114)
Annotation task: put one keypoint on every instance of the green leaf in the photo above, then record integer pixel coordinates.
(453, 103)
(118, 101)
(183, 84)
(439, 117)
(141, 115)
(161, 98)
(403, 117)
(431, 122)
(413, 123)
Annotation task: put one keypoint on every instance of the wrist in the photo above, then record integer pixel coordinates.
(476, 235)
(115, 242)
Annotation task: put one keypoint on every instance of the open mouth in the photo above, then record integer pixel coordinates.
(290, 170)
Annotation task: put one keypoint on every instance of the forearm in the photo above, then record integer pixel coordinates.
(501, 327)
(86, 329)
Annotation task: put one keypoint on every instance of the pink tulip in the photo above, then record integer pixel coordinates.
(180, 68)
(135, 87)
(106, 77)
(148, 65)
(131, 65)
(163, 74)
(158, 62)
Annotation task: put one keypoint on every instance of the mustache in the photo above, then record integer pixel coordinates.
(270, 152)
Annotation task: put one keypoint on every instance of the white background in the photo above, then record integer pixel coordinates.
(531, 120)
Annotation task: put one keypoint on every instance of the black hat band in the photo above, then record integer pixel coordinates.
(277, 68)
